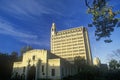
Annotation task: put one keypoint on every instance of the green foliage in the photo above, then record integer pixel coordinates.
(25, 49)
(95, 73)
(79, 60)
(14, 55)
(104, 19)
(80, 63)
(43, 79)
(6, 64)
(113, 75)
(116, 54)
(90, 73)
(113, 64)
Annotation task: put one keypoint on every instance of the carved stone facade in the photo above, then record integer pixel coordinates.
(39, 64)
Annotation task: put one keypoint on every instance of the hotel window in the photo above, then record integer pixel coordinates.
(33, 57)
(42, 68)
(23, 69)
(62, 72)
(53, 72)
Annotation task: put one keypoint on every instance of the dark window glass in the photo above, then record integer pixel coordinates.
(53, 72)
(23, 69)
(62, 72)
(42, 68)
(33, 57)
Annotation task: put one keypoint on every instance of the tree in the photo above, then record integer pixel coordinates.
(113, 64)
(117, 53)
(14, 55)
(80, 63)
(104, 18)
(6, 64)
(23, 50)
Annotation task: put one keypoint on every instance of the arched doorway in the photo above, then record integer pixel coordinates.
(31, 73)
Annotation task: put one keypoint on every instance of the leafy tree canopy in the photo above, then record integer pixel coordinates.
(80, 63)
(25, 49)
(104, 18)
(114, 64)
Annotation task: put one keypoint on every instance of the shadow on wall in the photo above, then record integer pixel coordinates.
(19, 73)
(52, 72)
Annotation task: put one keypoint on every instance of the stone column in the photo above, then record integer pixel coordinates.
(37, 69)
(26, 72)
(36, 74)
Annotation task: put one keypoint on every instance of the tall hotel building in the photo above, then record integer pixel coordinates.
(71, 43)
(66, 44)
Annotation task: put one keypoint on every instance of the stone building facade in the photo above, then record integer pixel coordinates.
(71, 43)
(41, 64)
(57, 63)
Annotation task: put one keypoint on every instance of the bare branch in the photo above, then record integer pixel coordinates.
(87, 4)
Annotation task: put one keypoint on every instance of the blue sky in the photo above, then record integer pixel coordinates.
(28, 22)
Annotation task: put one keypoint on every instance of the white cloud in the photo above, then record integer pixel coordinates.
(8, 29)
(36, 42)
(26, 37)
(27, 8)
